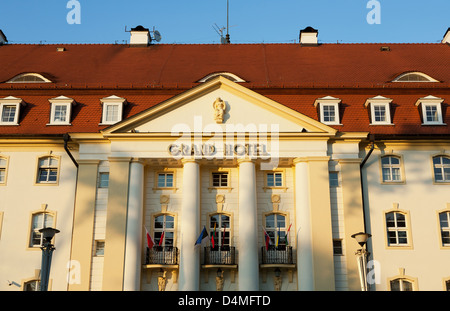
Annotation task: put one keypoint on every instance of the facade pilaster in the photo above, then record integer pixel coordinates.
(116, 224)
(248, 237)
(133, 246)
(83, 225)
(189, 274)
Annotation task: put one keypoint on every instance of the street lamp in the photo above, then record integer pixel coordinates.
(361, 258)
(47, 251)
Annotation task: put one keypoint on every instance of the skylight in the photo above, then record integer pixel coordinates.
(29, 78)
(414, 77)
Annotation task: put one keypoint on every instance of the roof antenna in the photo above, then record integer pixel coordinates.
(226, 39)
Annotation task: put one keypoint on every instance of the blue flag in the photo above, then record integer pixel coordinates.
(203, 235)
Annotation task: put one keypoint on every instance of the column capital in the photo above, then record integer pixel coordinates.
(137, 160)
(245, 160)
(190, 160)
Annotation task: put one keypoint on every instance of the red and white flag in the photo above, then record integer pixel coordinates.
(150, 242)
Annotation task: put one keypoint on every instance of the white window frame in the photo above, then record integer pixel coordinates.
(431, 101)
(328, 101)
(49, 168)
(427, 77)
(35, 230)
(61, 101)
(223, 232)
(220, 174)
(4, 169)
(167, 230)
(10, 101)
(441, 166)
(41, 78)
(391, 166)
(397, 229)
(379, 101)
(112, 101)
(444, 229)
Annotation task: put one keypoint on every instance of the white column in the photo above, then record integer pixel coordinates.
(133, 243)
(248, 237)
(305, 272)
(189, 273)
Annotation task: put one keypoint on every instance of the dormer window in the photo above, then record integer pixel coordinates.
(10, 110)
(228, 75)
(328, 110)
(380, 110)
(112, 109)
(430, 109)
(29, 78)
(414, 77)
(60, 112)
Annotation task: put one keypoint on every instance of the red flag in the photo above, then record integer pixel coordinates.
(267, 239)
(161, 239)
(150, 242)
(213, 235)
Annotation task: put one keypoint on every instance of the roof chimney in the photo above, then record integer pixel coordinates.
(447, 37)
(3, 39)
(308, 36)
(140, 36)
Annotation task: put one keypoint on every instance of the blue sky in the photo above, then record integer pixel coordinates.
(251, 21)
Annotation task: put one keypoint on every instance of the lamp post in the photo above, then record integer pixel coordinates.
(361, 258)
(47, 251)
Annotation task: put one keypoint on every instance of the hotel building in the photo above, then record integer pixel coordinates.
(281, 152)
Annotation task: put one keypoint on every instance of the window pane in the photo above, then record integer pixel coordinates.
(2, 175)
(8, 113)
(159, 221)
(445, 160)
(385, 160)
(395, 174)
(380, 113)
(103, 180)
(390, 220)
(394, 160)
(169, 180)
(407, 286)
(60, 113)
(278, 179)
(48, 222)
(395, 285)
(443, 219)
(280, 221)
(270, 221)
(437, 160)
(334, 179)
(431, 113)
(270, 180)
(112, 113)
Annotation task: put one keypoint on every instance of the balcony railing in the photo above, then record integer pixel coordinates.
(219, 256)
(274, 255)
(159, 255)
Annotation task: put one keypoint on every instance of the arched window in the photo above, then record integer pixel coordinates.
(276, 228)
(29, 78)
(164, 230)
(39, 220)
(401, 284)
(414, 77)
(219, 227)
(391, 169)
(441, 168)
(444, 224)
(47, 170)
(397, 229)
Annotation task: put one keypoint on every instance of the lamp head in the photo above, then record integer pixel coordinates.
(361, 238)
(48, 233)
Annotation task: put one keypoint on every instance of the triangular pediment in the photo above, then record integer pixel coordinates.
(219, 105)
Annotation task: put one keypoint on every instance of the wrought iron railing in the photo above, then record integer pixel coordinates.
(277, 255)
(220, 256)
(160, 255)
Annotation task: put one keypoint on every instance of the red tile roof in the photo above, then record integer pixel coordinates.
(287, 73)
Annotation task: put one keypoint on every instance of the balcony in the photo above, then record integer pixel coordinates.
(219, 256)
(162, 256)
(277, 255)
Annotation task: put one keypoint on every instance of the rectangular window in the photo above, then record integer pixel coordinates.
(220, 179)
(60, 114)
(329, 113)
(334, 179)
(337, 247)
(165, 180)
(112, 113)
(379, 113)
(274, 179)
(431, 113)
(390, 166)
(39, 221)
(9, 114)
(99, 248)
(103, 180)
